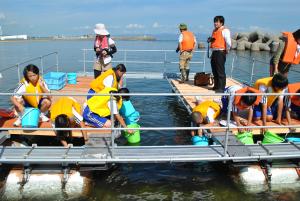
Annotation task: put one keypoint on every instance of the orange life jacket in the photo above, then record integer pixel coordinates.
(237, 99)
(188, 41)
(289, 55)
(293, 88)
(219, 40)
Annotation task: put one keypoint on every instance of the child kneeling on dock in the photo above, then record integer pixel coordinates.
(240, 103)
(205, 112)
(127, 110)
(271, 107)
(292, 103)
(34, 84)
(98, 109)
(65, 113)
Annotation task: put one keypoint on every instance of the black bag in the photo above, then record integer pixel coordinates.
(203, 79)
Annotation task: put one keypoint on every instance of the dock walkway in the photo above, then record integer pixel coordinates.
(190, 102)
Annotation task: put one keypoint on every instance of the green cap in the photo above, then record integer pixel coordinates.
(182, 26)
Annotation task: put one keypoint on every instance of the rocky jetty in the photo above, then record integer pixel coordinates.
(255, 41)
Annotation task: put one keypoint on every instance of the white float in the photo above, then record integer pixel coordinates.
(45, 186)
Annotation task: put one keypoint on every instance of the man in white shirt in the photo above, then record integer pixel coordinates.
(220, 44)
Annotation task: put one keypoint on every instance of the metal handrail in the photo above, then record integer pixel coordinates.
(125, 60)
(40, 58)
(254, 61)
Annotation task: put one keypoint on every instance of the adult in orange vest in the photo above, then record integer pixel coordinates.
(288, 53)
(186, 45)
(220, 45)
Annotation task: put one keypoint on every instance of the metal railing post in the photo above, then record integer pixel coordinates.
(165, 62)
(204, 64)
(56, 53)
(125, 57)
(19, 76)
(84, 52)
(252, 71)
(229, 108)
(112, 125)
(232, 65)
(41, 63)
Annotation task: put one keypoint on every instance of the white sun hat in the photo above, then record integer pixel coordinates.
(101, 30)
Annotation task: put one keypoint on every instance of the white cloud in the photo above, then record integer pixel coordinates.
(134, 26)
(82, 27)
(2, 16)
(156, 25)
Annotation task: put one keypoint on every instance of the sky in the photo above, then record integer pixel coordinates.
(150, 17)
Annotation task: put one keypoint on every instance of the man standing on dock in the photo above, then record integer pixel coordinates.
(186, 45)
(220, 44)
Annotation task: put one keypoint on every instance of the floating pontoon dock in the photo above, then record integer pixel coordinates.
(98, 155)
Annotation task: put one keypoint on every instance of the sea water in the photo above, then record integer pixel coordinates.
(181, 181)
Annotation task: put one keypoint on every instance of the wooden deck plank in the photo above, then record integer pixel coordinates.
(188, 87)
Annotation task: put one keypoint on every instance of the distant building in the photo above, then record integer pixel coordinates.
(14, 37)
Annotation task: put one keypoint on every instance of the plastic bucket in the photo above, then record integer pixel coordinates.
(72, 78)
(200, 141)
(245, 137)
(271, 138)
(133, 137)
(293, 139)
(30, 118)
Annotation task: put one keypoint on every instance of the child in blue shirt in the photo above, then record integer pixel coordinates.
(127, 110)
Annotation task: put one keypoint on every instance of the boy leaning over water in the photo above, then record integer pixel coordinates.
(292, 103)
(204, 112)
(240, 103)
(127, 110)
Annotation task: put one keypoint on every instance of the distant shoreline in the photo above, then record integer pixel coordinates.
(74, 38)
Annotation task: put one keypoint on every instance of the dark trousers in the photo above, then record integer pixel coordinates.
(218, 59)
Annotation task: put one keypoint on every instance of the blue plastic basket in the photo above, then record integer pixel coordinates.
(55, 80)
(72, 78)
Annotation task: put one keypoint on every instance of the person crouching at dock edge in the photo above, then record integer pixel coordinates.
(288, 53)
(292, 103)
(65, 113)
(109, 78)
(186, 46)
(271, 107)
(98, 109)
(31, 83)
(204, 113)
(240, 103)
(220, 44)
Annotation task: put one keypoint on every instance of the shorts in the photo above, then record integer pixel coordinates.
(257, 111)
(93, 118)
(26, 104)
(296, 109)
